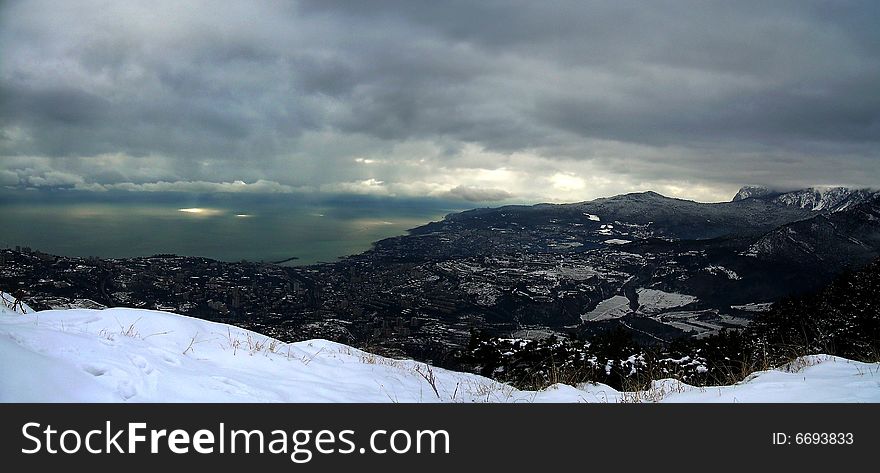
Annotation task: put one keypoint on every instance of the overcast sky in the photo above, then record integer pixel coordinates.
(490, 102)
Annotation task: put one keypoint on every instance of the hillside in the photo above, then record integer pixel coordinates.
(127, 355)
(841, 319)
(586, 225)
(827, 242)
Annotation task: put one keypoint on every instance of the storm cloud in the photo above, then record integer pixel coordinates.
(480, 101)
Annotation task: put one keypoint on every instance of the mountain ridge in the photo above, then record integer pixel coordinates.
(817, 198)
(590, 224)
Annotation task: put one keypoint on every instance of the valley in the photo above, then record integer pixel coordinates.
(659, 268)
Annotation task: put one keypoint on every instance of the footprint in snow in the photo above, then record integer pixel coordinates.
(166, 356)
(232, 386)
(142, 364)
(95, 370)
(126, 389)
(15, 338)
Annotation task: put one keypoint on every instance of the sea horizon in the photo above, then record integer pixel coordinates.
(278, 229)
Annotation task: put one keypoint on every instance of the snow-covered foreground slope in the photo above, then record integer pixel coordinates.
(118, 355)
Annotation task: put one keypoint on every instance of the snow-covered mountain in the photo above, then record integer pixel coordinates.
(828, 199)
(848, 237)
(749, 192)
(129, 355)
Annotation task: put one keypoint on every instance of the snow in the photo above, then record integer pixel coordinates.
(131, 355)
(9, 304)
(754, 306)
(832, 199)
(747, 192)
(614, 307)
(592, 217)
(652, 301)
(717, 270)
(820, 198)
(689, 321)
(118, 355)
(577, 273)
(817, 378)
(617, 241)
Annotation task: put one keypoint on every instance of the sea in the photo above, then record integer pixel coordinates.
(293, 229)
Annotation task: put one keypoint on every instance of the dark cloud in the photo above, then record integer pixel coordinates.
(626, 95)
(479, 194)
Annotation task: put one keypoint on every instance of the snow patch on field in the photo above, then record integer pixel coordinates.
(62, 303)
(576, 273)
(754, 306)
(614, 307)
(617, 241)
(652, 301)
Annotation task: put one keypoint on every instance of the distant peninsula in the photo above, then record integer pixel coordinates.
(286, 260)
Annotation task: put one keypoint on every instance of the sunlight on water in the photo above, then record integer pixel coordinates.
(199, 211)
(233, 231)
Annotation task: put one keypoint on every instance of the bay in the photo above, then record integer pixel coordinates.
(230, 228)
